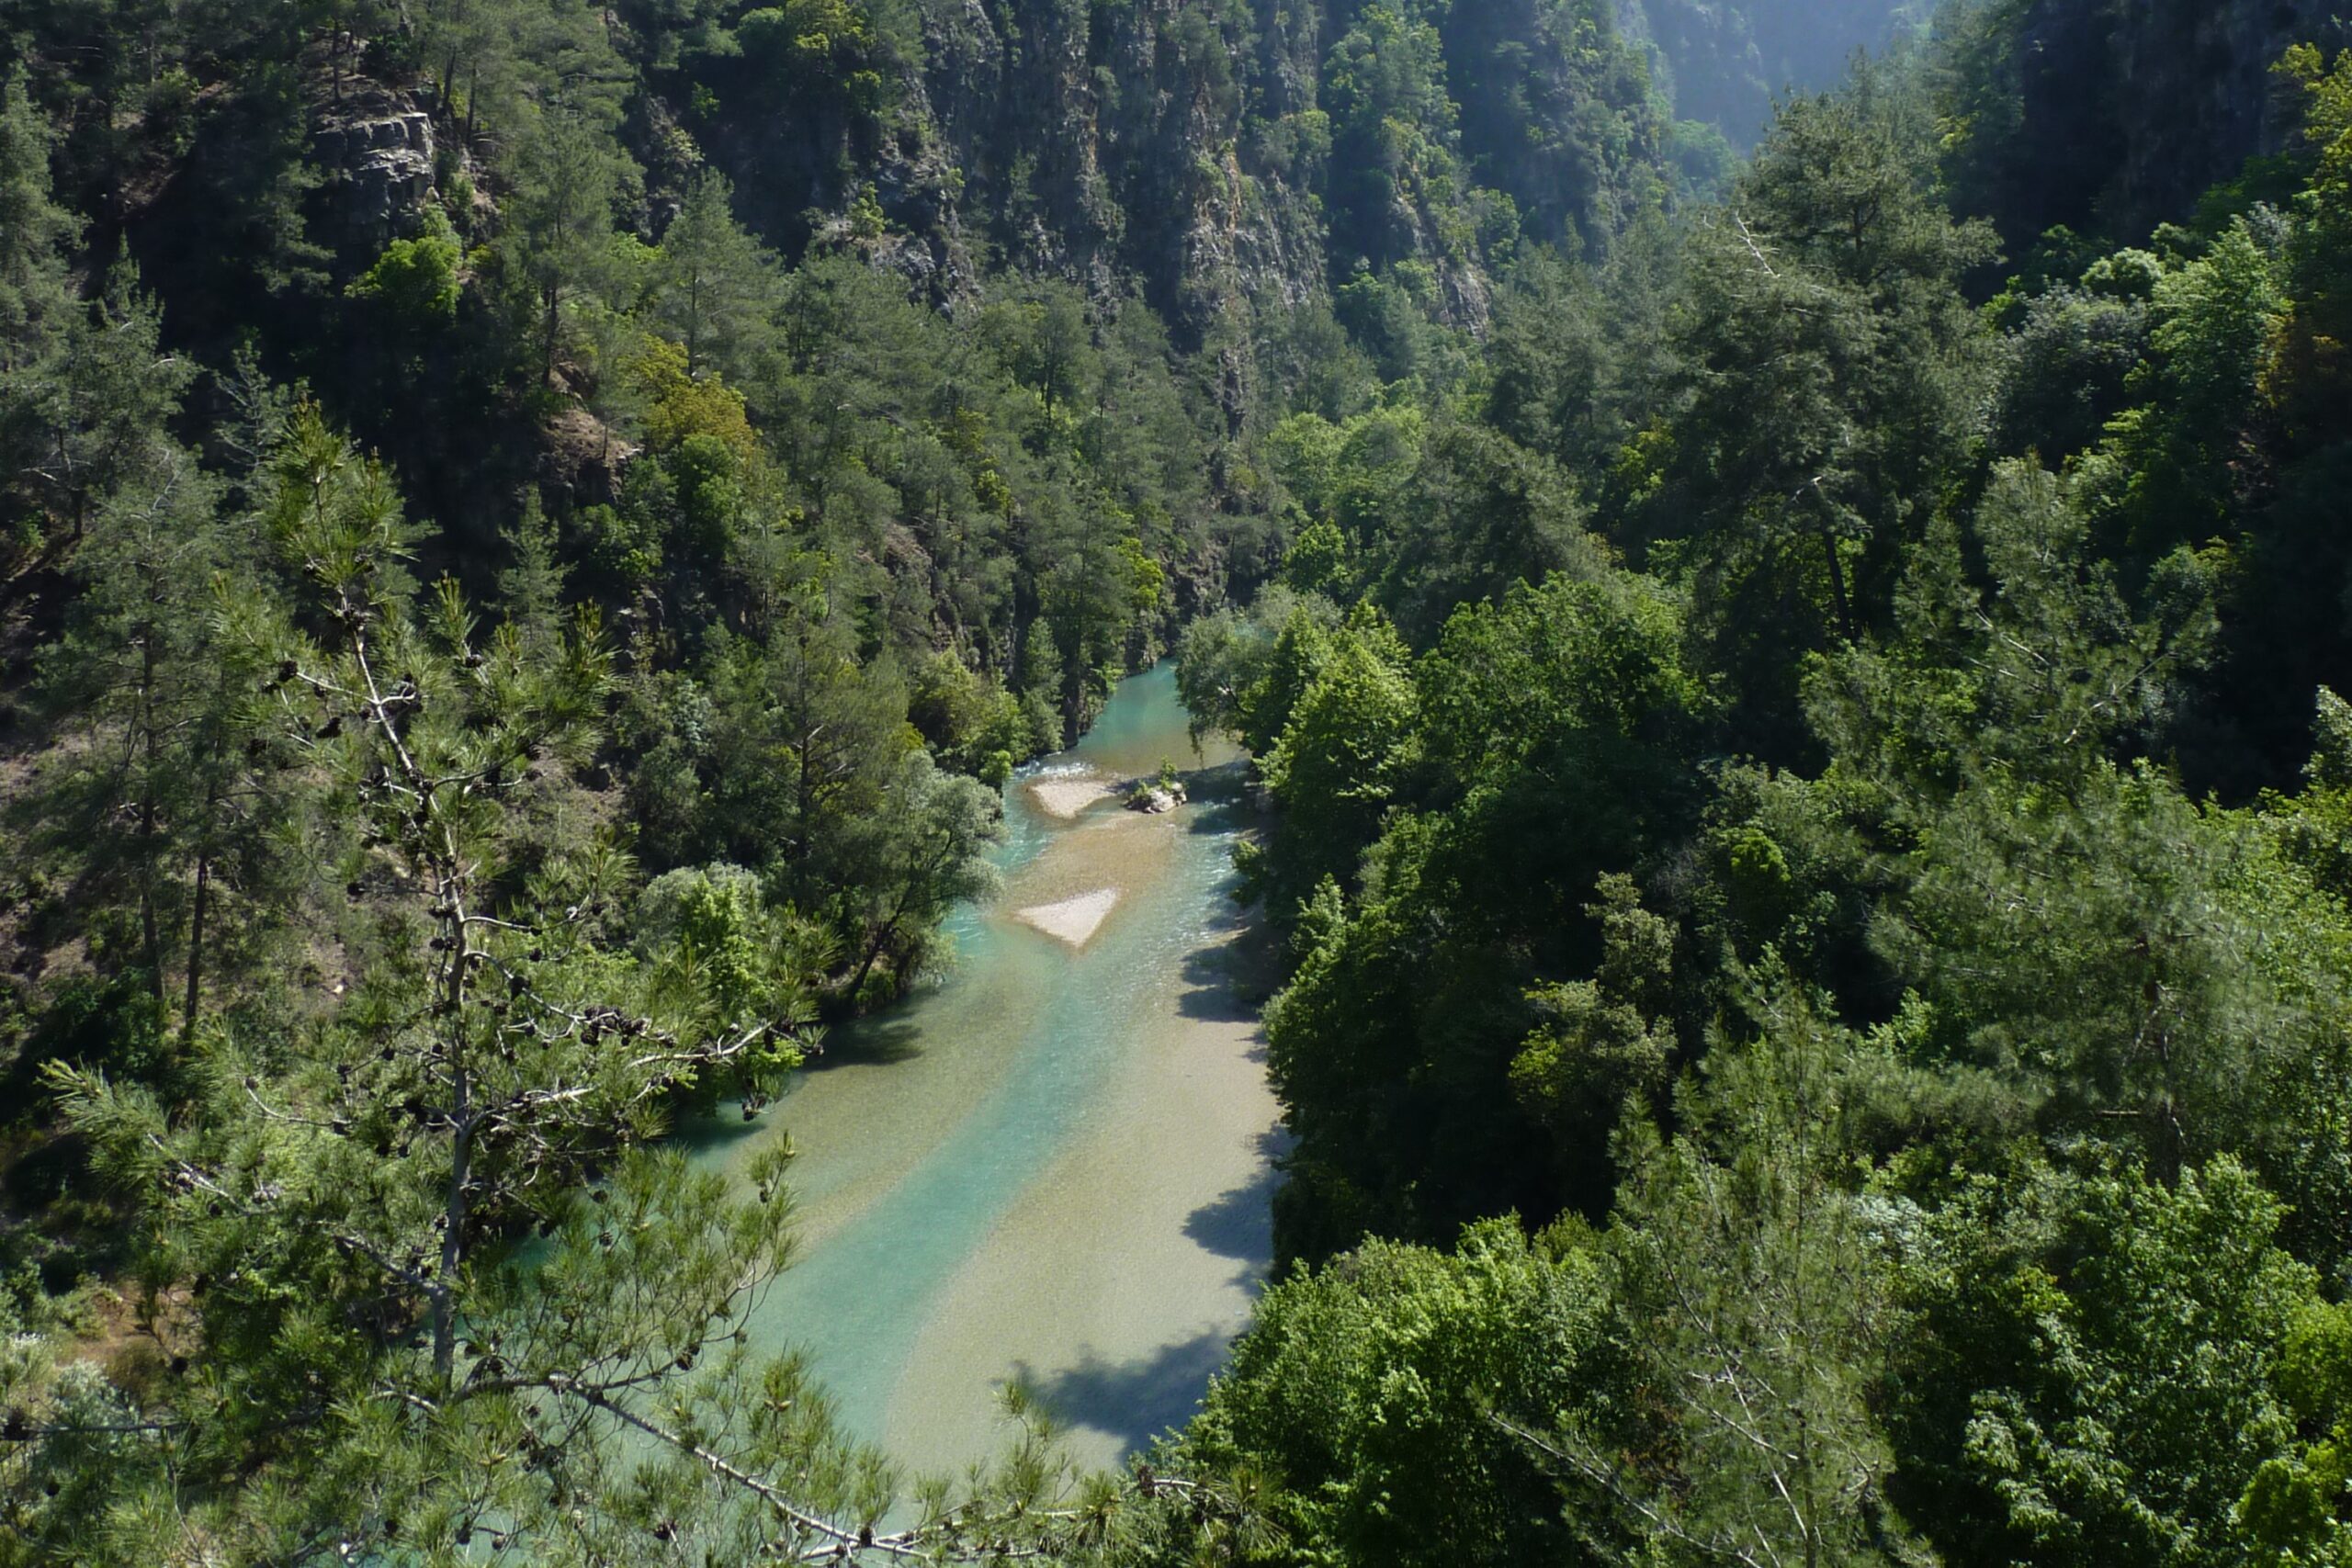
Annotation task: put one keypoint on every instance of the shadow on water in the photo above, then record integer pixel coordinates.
(1224, 784)
(878, 1040)
(872, 1041)
(1134, 1401)
(1239, 1223)
(709, 1134)
(1212, 988)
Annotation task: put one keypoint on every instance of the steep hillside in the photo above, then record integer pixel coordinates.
(2113, 116)
(1208, 151)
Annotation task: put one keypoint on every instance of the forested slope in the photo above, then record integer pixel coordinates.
(1797, 695)
(2109, 119)
(1805, 796)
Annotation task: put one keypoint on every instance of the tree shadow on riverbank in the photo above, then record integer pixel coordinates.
(1132, 1400)
(1214, 978)
(1239, 1223)
(1232, 975)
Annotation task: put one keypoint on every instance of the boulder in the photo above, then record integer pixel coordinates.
(1155, 800)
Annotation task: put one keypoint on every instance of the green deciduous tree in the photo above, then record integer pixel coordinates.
(414, 282)
(1341, 757)
(1601, 1044)
(1544, 743)
(720, 950)
(2171, 471)
(922, 854)
(1380, 1389)
(2088, 1368)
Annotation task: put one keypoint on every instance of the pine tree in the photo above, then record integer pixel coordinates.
(388, 1362)
(352, 1212)
(568, 176)
(1826, 364)
(35, 233)
(716, 283)
(1756, 1295)
(102, 402)
(167, 794)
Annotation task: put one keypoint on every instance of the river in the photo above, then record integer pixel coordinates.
(1054, 1163)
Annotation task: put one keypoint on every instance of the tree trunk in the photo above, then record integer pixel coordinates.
(882, 936)
(1838, 584)
(444, 1285)
(149, 922)
(554, 300)
(196, 948)
(461, 1149)
(865, 966)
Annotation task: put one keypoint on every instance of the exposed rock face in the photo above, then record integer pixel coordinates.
(377, 147)
(2193, 80)
(1225, 156)
(2132, 109)
(1185, 146)
(1100, 144)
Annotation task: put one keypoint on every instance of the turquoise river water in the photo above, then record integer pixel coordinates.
(1053, 1163)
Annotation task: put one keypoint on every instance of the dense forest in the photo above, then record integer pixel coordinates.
(1782, 567)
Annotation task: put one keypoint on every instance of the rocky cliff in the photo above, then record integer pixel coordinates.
(1102, 143)
(2126, 109)
(377, 148)
(1210, 152)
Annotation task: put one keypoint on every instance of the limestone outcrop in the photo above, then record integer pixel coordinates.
(377, 147)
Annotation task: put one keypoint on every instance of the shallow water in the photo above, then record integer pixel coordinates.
(1054, 1164)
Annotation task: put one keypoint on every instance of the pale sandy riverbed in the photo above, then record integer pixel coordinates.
(1115, 1284)
(1054, 1166)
